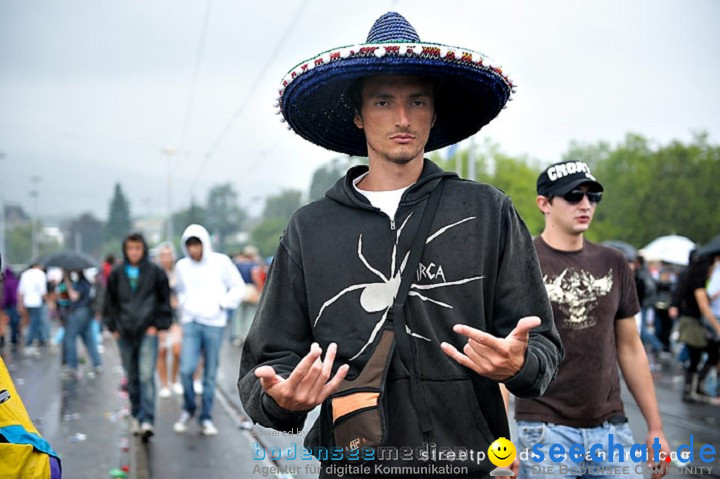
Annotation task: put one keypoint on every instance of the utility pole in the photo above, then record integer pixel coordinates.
(169, 152)
(35, 193)
(78, 240)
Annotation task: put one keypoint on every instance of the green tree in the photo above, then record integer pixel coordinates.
(326, 176)
(193, 214)
(282, 205)
(593, 155)
(118, 225)
(86, 232)
(658, 190)
(266, 235)
(47, 245)
(515, 176)
(276, 214)
(19, 244)
(223, 213)
(113, 247)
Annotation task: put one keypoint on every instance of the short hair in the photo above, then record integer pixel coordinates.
(354, 91)
(137, 237)
(193, 240)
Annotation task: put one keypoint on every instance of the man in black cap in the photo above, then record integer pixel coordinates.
(594, 301)
(476, 313)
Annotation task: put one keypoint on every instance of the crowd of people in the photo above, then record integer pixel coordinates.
(406, 293)
(32, 300)
(169, 318)
(680, 307)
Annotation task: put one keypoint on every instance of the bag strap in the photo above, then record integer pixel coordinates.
(402, 338)
(418, 245)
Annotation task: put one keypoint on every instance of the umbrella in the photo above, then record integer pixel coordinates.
(711, 248)
(69, 260)
(673, 249)
(627, 249)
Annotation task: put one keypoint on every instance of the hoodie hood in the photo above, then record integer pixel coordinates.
(200, 233)
(208, 288)
(145, 249)
(344, 192)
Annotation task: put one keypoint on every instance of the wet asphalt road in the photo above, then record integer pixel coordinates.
(85, 421)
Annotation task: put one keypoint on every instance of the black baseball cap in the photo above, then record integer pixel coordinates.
(561, 178)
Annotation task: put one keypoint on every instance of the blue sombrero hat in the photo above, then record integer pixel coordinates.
(314, 96)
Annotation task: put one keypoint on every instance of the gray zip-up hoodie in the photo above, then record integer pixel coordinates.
(336, 272)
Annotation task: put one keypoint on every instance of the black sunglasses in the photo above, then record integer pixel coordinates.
(576, 196)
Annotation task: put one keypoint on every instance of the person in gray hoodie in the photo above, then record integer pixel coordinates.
(137, 305)
(207, 285)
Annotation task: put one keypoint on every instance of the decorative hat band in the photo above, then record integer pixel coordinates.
(422, 50)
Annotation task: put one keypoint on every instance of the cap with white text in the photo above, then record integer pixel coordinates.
(561, 178)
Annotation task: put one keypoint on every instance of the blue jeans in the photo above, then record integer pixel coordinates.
(230, 324)
(14, 316)
(36, 328)
(139, 356)
(200, 339)
(45, 317)
(79, 323)
(532, 433)
(648, 338)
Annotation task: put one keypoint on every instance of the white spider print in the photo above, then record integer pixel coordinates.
(380, 296)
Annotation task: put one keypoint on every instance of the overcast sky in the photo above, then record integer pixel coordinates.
(94, 92)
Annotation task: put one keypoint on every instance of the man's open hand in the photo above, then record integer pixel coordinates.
(308, 385)
(496, 358)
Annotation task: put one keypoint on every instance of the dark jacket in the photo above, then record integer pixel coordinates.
(84, 289)
(130, 312)
(335, 274)
(10, 287)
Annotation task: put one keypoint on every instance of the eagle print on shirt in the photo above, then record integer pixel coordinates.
(379, 296)
(576, 293)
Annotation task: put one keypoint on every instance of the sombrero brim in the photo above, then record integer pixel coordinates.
(314, 95)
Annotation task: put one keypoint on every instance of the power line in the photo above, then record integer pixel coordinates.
(250, 94)
(169, 152)
(193, 83)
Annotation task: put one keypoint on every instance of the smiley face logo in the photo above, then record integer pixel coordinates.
(501, 452)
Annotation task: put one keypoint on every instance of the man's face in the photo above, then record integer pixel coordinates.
(195, 250)
(397, 114)
(134, 251)
(568, 218)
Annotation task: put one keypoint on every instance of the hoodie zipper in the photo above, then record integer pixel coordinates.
(392, 224)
